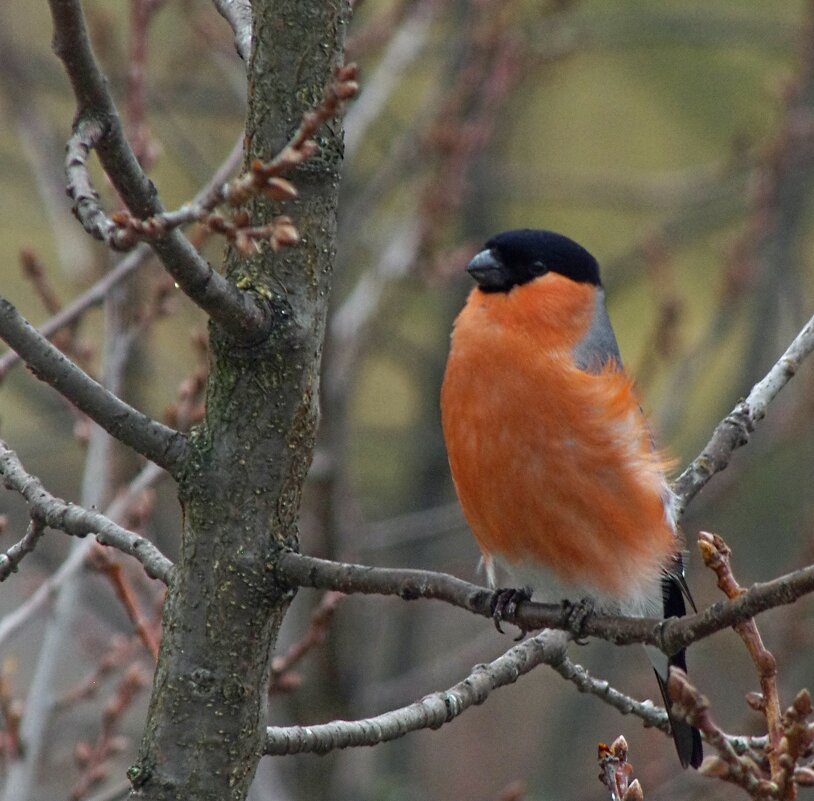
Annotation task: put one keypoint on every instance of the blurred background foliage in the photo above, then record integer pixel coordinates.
(675, 140)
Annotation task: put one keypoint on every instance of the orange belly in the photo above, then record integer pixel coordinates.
(553, 466)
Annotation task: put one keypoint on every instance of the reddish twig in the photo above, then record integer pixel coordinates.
(141, 14)
(64, 339)
(742, 769)
(121, 653)
(263, 178)
(716, 554)
(689, 704)
(93, 759)
(282, 679)
(188, 407)
(34, 271)
(114, 573)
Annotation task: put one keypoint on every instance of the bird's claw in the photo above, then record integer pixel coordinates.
(575, 614)
(504, 605)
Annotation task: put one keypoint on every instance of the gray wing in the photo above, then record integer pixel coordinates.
(598, 346)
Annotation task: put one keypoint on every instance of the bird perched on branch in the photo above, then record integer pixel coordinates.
(551, 456)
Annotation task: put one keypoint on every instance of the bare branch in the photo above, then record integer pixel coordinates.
(727, 764)
(431, 712)
(123, 270)
(238, 13)
(243, 315)
(40, 598)
(111, 568)
(734, 430)
(647, 711)
(668, 635)
(157, 442)
(261, 178)
(716, 554)
(14, 555)
(86, 204)
(282, 676)
(72, 519)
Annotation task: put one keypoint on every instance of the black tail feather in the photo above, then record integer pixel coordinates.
(686, 737)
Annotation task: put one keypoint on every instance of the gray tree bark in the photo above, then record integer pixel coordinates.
(241, 491)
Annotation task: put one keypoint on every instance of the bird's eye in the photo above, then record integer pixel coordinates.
(538, 266)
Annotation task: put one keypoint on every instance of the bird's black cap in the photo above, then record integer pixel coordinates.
(516, 257)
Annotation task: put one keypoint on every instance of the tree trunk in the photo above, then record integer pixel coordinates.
(241, 492)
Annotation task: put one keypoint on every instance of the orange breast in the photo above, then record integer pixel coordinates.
(553, 466)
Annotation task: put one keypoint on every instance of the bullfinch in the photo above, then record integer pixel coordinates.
(550, 454)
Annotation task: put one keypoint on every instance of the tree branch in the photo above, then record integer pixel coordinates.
(647, 711)
(734, 430)
(242, 314)
(123, 270)
(12, 622)
(669, 635)
(148, 437)
(10, 560)
(238, 13)
(72, 519)
(87, 135)
(262, 178)
(431, 712)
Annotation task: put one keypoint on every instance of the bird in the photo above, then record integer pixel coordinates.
(551, 456)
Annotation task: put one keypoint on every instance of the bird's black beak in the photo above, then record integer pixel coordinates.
(488, 270)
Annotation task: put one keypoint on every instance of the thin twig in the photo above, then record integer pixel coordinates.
(431, 712)
(262, 178)
(10, 744)
(11, 623)
(281, 666)
(79, 522)
(727, 764)
(123, 270)
(734, 430)
(113, 571)
(10, 560)
(647, 711)
(242, 314)
(94, 758)
(716, 554)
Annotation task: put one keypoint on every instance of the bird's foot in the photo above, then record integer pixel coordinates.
(504, 604)
(575, 614)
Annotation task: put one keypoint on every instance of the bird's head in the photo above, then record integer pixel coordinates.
(516, 257)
